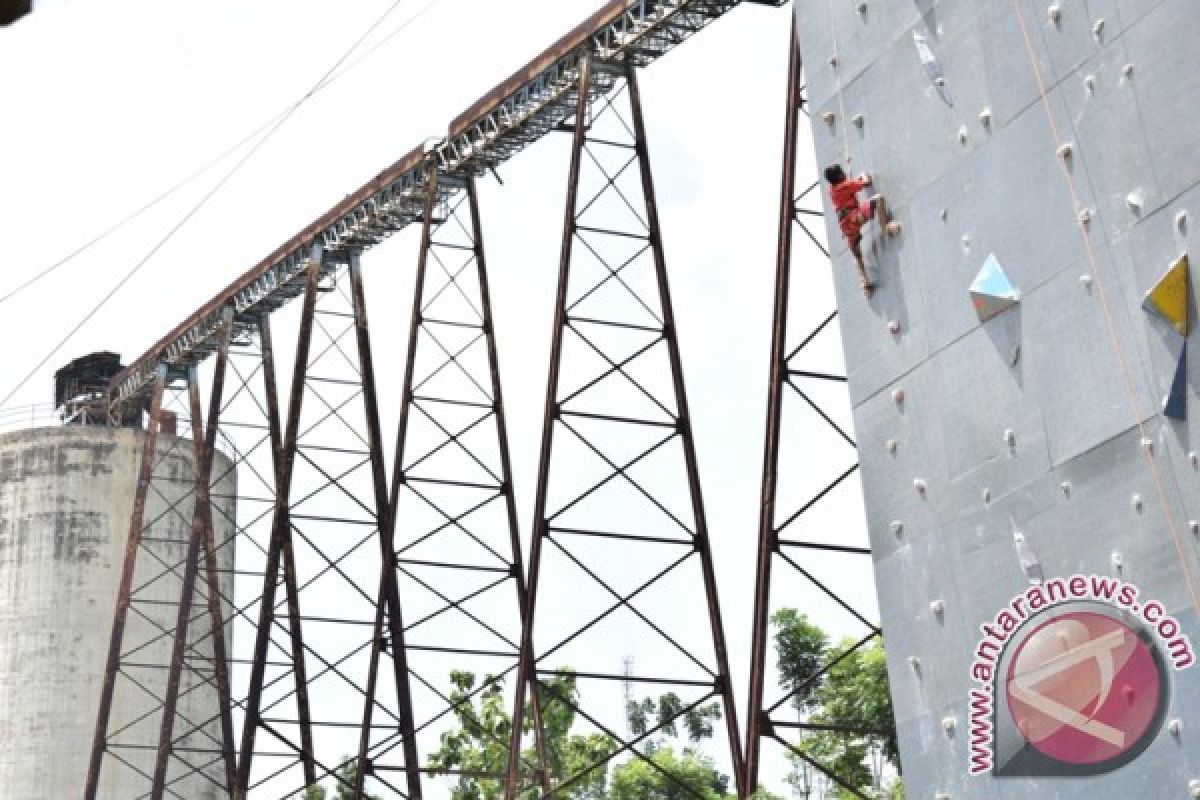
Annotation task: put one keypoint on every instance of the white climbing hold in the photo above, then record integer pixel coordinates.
(1065, 150)
(1175, 726)
(1181, 221)
(1127, 71)
(920, 486)
(1135, 200)
(1194, 788)
(897, 396)
(1066, 488)
(943, 214)
(987, 495)
(829, 117)
(1010, 438)
(1054, 12)
(1194, 526)
(915, 663)
(962, 135)
(1085, 281)
(948, 725)
(891, 445)
(897, 528)
(1136, 502)
(1116, 560)
(1089, 83)
(1147, 444)
(966, 243)
(1098, 27)
(985, 117)
(894, 326)
(938, 607)
(862, 8)
(1085, 217)
(858, 121)
(1194, 457)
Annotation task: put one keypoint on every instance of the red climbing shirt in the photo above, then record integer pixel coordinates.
(844, 194)
(851, 213)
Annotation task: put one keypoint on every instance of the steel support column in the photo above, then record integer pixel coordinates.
(765, 720)
(620, 540)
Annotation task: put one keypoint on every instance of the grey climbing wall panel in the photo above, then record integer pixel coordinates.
(1046, 419)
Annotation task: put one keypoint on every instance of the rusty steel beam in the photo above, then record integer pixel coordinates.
(281, 529)
(132, 545)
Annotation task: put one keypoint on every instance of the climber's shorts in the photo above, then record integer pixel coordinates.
(851, 220)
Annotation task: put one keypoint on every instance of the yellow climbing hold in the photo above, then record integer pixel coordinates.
(1169, 297)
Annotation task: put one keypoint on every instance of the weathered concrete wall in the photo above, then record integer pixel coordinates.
(1075, 374)
(66, 496)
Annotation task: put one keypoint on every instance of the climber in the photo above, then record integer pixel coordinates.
(853, 214)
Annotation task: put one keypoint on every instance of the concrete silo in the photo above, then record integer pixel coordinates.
(66, 495)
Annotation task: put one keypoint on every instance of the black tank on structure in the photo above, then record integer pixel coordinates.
(80, 387)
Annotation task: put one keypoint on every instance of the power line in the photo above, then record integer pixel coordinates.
(274, 127)
(181, 183)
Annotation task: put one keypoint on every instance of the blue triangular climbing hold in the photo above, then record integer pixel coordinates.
(992, 292)
(1175, 404)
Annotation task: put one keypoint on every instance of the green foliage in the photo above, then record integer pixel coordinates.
(692, 777)
(852, 694)
(578, 763)
(345, 776)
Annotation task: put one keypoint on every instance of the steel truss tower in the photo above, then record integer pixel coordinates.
(620, 548)
(793, 532)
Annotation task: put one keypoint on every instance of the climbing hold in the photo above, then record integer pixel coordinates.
(894, 326)
(1098, 27)
(1127, 71)
(920, 486)
(1085, 217)
(1135, 200)
(890, 444)
(938, 607)
(915, 663)
(1181, 220)
(1147, 444)
(897, 528)
(985, 117)
(962, 135)
(943, 214)
(1175, 403)
(858, 121)
(862, 9)
(833, 62)
(1086, 282)
(1194, 457)
(992, 292)
(1136, 502)
(829, 117)
(1194, 526)
(987, 495)
(1066, 488)
(1169, 297)
(1028, 559)
(966, 243)
(948, 725)
(1116, 560)
(1010, 438)
(897, 396)
(1089, 83)
(1014, 356)
(1175, 726)
(1194, 788)
(1054, 12)
(1065, 150)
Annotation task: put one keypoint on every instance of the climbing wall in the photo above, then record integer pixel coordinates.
(1024, 406)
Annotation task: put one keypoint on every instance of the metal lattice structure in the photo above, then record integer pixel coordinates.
(818, 556)
(426, 563)
(618, 513)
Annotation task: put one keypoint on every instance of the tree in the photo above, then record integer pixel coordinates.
(577, 761)
(841, 686)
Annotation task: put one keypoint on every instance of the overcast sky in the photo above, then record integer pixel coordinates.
(106, 105)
